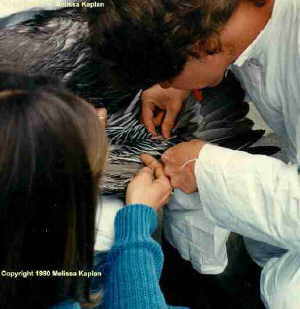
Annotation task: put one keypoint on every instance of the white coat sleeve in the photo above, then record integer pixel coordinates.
(253, 195)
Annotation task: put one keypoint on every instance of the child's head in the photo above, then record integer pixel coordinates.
(150, 41)
(52, 153)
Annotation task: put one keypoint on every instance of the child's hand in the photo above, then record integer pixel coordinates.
(150, 186)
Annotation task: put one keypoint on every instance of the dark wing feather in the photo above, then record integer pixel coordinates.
(242, 141)
(263, 150)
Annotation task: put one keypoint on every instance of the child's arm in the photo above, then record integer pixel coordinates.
(134, 262)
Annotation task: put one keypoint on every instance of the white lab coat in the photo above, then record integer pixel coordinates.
(259, 196)
(253, 195)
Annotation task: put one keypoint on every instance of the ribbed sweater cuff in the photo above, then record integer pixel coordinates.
(135, 222)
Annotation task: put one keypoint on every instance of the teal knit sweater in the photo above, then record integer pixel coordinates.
(135, 262)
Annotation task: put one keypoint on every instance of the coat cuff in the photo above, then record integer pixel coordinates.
(135, 222)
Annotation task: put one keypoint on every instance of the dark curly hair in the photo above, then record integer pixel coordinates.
(148, 41)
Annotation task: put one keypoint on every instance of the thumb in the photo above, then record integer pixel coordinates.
(148, 117)
(170, 118)
(168, 123)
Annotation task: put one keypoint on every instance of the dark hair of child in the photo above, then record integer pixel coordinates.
(52, 153)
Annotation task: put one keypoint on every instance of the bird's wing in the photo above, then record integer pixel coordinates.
(220, 118)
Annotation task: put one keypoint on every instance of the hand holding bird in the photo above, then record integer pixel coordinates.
(150, 186)
(179, 162)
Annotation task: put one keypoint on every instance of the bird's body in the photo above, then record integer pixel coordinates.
(56, 43)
